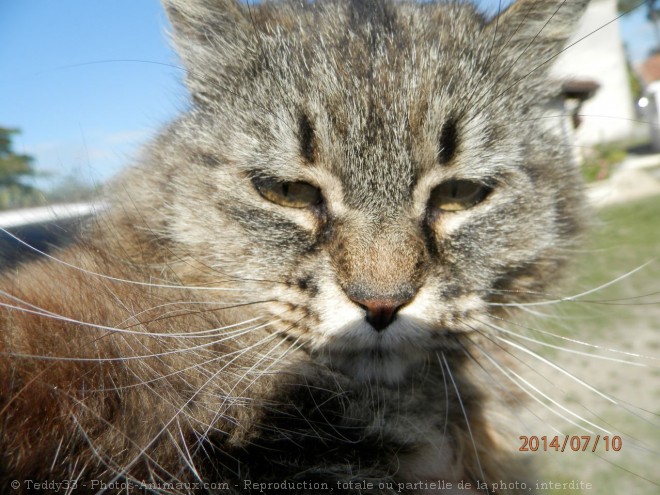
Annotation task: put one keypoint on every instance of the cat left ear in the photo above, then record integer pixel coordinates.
(212, 38)
(533, 32)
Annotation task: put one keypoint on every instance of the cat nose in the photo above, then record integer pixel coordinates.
(381, 312)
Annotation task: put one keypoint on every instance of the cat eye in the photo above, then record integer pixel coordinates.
(458, 195)
(289, 194)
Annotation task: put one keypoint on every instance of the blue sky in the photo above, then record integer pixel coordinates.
(67, 80)
(82, 80)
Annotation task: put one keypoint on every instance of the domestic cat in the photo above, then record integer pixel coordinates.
(293, 286)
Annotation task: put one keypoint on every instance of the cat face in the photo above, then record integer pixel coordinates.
(380, 171)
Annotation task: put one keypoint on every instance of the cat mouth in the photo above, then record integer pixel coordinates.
(364, 353)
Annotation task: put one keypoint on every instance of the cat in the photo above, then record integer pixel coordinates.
(292, 290)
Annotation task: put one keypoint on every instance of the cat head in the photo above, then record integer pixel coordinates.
(377, 171)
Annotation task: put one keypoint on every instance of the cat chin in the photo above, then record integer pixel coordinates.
(387, 357)
(386, 368)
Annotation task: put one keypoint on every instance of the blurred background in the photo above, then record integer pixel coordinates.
(84, 83)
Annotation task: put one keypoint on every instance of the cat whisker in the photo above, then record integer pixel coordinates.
(184, 452)
(499, 385)
(232, 391)
(527, 388)
(184, 350)
(505, 72)
(580, 342)
(256, 364)
(314, 432)
(174, 314)
(563, 349)
(556, 367)
(446, 389)
(501, 368)
(560, 116)
(117, 279)
(127, 331)
(580, 295)
(180, 410)
(606, 302)
(41, 311)
(56, 454)
(541, 314)
(477, 96)
(619, 301)
(337, 434)
(465, 415)
(107, 460)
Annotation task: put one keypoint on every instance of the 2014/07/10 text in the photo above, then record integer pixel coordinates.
(575, 443)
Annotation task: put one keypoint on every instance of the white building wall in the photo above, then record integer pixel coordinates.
(600, 57)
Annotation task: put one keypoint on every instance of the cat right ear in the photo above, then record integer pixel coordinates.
(532, 33)
(212, 37)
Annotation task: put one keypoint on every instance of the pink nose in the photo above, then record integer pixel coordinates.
(381, 312)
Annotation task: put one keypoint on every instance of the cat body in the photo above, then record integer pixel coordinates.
(293, 283)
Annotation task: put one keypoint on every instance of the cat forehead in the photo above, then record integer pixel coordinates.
(381, 49)
(376, 87)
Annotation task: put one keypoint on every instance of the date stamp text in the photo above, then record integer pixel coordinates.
(572, 443)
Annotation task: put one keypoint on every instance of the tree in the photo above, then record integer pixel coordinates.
(14, 169)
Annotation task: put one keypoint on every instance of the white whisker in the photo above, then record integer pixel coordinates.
(580, 342)
(467, 419)
(577, 297)
(185, 335)
(524, 386)
(564, 349)
(116, 279)
(558, 368)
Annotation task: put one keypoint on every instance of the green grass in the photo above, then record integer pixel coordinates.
(622, 239)
(623, 236)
